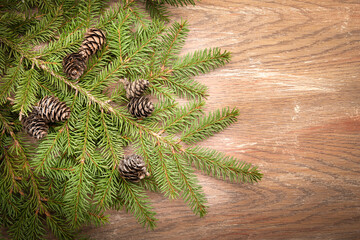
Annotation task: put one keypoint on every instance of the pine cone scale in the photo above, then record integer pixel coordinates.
(74, 65)
(136, 89)
(35, 126)
(52, 110)
(94, 41)
(140, 107)
(133, 168)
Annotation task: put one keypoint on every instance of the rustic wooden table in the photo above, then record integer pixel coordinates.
(295, 76)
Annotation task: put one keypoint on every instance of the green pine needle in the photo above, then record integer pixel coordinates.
(218, 165)
(207, 126)
(200, 62)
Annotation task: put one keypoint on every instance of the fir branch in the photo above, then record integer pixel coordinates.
(10, 80)
(45, 29)
(182, 116)
(88, 10)
(9, 188)
(57, 226)
(47, 6)
(110, 73)
(162, 110)
(112, 151)
(2, 59)
(173, 41)
(109, 16)
(91, 78)
(30, 216)
(184, 86)
(120, 42)
(8, 170)
(28, 226)
(157, 10)
(191, 191)
(145, 40)
(76, 198)
(6, 127)
(139, 16)
(68, 40)
(49, 150)
(97, 216)
(164, 174)
(199, 62)
(209, 125)
(144, 148)
(149, 184)
(218, 165)
(80, 181)
(103, 104)
(12, 43)
(16, 22)
(55, 144)
(70, 11)
(25, 96)
(134, 199)
(72, 33)
(6, 28)
(161, 92)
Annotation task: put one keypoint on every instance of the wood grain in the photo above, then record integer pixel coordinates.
(294, 75)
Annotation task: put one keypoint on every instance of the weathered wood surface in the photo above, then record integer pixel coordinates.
(295, 76)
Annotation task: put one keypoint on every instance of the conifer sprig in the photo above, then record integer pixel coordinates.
(136, 201)
(191, 190)
(45, 30)
(157, 10)
(200, 62)
(218, 165)
(27, 92)
(207, 126)
(182, 116)
(173, 41)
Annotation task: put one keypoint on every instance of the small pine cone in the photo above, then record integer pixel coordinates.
(52, 110)
(140, 107)
(136, 88)
(74, 65)
(133, 168)
(35, 125)
(94, 40)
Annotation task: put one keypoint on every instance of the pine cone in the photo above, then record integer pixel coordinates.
(35, 125)
(133, 168)
(94, 40)
(140, 107)
(52, 110)
(74, 65)
(136, 88)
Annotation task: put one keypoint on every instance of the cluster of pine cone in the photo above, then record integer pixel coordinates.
(74, 64)
(48, 110)
(139, 106)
